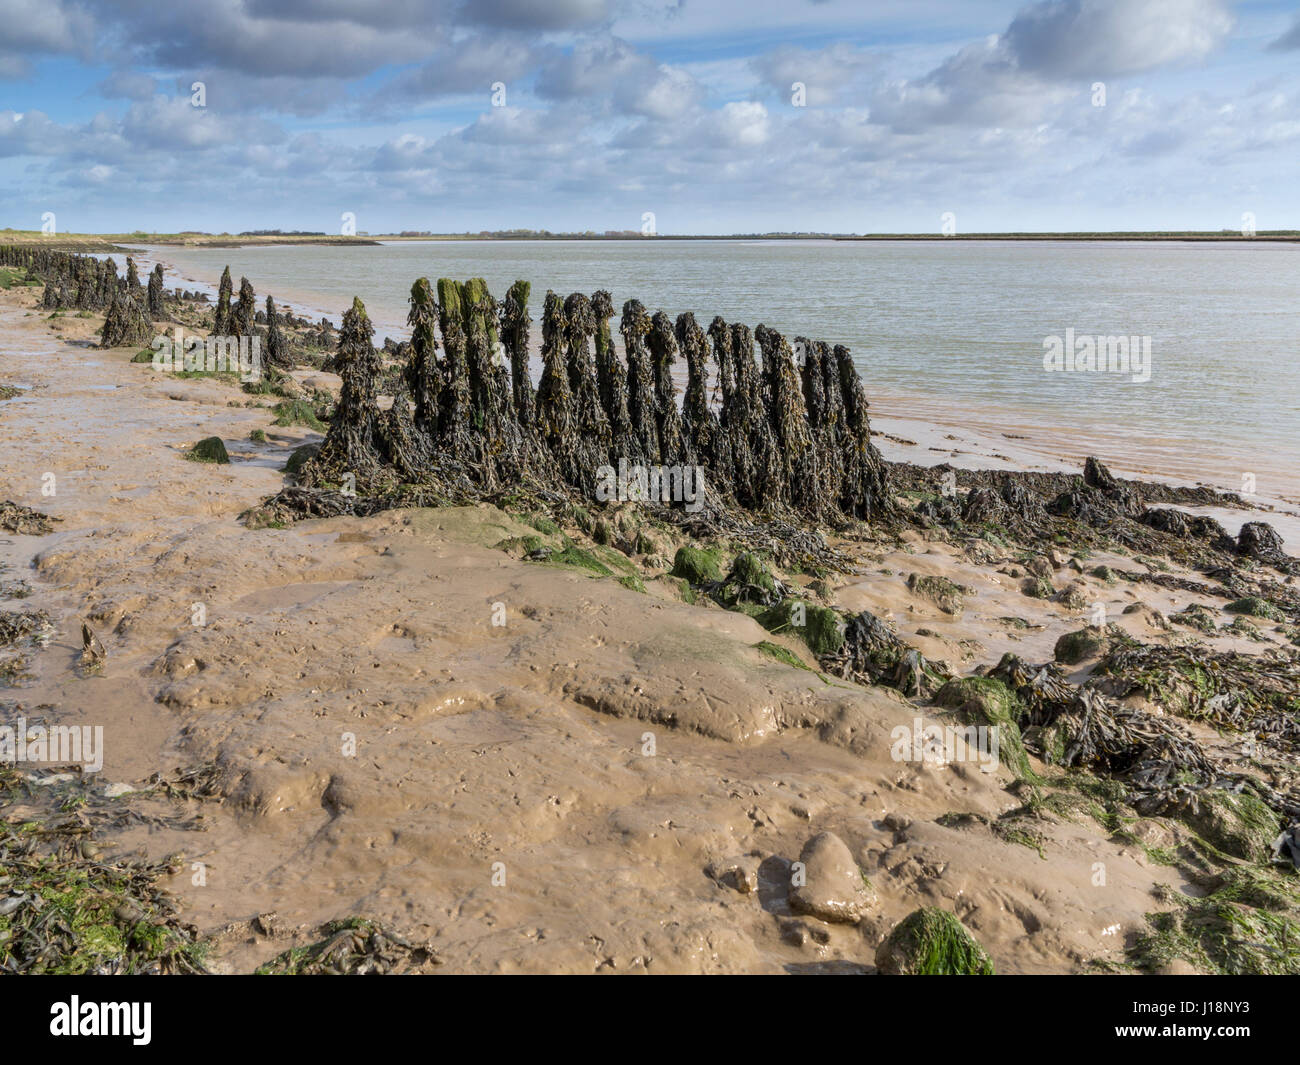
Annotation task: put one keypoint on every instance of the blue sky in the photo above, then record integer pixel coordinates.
(910, 110)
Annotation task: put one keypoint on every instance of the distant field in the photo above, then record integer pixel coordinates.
(103, 242)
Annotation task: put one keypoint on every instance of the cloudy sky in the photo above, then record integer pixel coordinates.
(448, 115)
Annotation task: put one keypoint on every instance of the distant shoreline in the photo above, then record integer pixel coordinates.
(106, 242)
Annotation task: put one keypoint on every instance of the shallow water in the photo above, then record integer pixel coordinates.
(955, 330)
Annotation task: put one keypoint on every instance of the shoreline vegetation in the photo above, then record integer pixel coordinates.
(1175, 735)
(116, 242)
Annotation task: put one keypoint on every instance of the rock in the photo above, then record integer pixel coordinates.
(819, 626)
(1096, 475)
(1259, 540)
(267, 924)
(697, 565)
(1255, 607)
(834, 888)
(1074, 647)
(209, 449)
(932, 942)
(1040, 567)
(1038, 588)
(750, 581)
(1238, 824)
(987, 701)
(1074, 596)
(299, 458)
(740, 874)
(942, 592)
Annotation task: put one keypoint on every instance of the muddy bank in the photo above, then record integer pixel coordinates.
(449, 721)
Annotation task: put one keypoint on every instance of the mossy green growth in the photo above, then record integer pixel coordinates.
(258, 436)
(299, 458)
(818, 626)
(781, 654)
(1255, 607)
(932, 942)
(1238, 824)
(542, 524)
(210, 449)
(697, 565)
(987, 701)
(297, 412)
(1247, 926)
(633, 582)
(749, 581)
(143, 355)
(1074, 647)
(1195, 617)
(575, 556)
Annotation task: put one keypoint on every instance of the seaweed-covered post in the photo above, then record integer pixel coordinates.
(514, 334)
(349, 446)
(554, 399)
(125, 323)
(825, 416)
(132, 277)
(635, 327)
(700, 424)
(611, 382)
(753, 444)
(489, 380)
(156, 309)
(108, 284)
(866, 492)
(244, 313)
(277, 348)
(221, 322)
(454, 417)
(789, 420)
(423, 377)
(589, 413)
(663, 353)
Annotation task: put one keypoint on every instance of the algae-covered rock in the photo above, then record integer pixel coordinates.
(698, 565)
(943, 593)
(210, 449)
(819, 626)
(299, 458)
(1255, 607)
(830, 885)
(932, 942)
(1074, 647)
(1038, 587)
(1196, 617)
(1238, 824)
(987, 701)
(1074, 596)
(750, 581)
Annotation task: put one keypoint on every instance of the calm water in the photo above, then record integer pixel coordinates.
(956, 327)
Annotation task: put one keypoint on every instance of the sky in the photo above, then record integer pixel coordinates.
(688, 116)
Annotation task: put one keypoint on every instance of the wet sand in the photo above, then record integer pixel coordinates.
(385, 749)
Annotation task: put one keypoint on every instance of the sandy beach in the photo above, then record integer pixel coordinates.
(525, 767)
